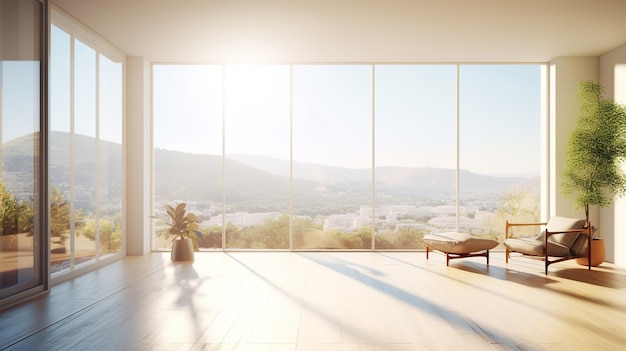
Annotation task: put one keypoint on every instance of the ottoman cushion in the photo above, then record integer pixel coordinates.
(458, 243)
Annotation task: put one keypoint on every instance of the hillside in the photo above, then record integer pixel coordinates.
(251, 179)
(424, 180)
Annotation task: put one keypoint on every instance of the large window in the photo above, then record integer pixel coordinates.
(416, 119)
(257, 132)
(332, 156)
(188, 143)
(86, 110)
(500, 120)
(109, 167)
(323, 156)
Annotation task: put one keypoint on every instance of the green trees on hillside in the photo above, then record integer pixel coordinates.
(15, 216)
(520, 206)
(110, 230)
(274, 234)
(402, 238)
(59, 217)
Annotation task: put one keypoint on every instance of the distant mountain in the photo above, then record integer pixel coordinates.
(252, 180)
(403, 179)
(181, 176)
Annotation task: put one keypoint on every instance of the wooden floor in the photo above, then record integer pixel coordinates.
(326, 301)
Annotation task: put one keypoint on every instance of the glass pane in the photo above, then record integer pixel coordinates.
(332, 156)
(20, 122)
(84, 153)
(256, 167)
(415, 153)
(110, 156)
(500, 115)
(187, 107)
(20, 265)
(60, 146)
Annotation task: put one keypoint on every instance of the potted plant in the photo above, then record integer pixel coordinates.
(184, 228)
(596, 150)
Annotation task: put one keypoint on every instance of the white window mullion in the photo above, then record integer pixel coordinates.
(223, 157)
(458, 147)
(97, 141)
(290, 157)
(72, 154)
(373, 215)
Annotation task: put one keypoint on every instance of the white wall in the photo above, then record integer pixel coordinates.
(612, 225)
(565, 75)
(138, 155)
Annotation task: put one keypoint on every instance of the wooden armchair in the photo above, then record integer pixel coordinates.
(563, 239)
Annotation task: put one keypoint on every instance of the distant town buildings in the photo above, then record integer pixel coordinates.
(389, 218)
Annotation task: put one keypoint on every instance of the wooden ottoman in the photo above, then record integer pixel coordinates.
(458, 245)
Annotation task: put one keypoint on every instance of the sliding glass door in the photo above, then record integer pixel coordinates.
(86, 163)
(22, 259)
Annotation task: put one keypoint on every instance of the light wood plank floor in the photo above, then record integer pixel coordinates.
(326, 301)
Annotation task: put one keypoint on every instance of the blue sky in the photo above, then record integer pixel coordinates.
(415, 112)
(20, 99)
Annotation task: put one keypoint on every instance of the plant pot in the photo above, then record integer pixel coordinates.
(182, 250)
(598, 254)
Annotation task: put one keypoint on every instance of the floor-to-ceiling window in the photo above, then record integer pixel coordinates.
(109, 168)
(338, 156)
(499, 146)
(332, 156)
(86, 112)
(416, 142)
(188, 144)
(22, 259)
(257, 124)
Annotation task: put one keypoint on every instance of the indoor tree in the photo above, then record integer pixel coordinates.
(593, 173)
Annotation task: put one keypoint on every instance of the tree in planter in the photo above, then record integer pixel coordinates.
(596, 150)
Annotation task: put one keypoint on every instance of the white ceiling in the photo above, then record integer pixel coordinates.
(300, 31)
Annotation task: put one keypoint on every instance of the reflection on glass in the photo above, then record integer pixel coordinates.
(332, 157)
(187, 129)
(256, 167)
(59, 155)
(415, 131)
(84, 153)
(500, 114)
(20, 123)
(109, 227)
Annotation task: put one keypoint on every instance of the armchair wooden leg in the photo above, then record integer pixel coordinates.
(589, 251)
